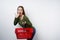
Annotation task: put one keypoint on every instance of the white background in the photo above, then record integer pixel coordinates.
(44, 15)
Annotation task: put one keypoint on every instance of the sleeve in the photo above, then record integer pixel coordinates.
(16, 21)
(28, 21)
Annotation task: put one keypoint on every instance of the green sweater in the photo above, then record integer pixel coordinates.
(28, 23)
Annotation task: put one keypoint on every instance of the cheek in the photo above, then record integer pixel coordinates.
(21, 11)
(18, 11)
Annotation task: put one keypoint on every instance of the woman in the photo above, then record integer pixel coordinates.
(23, 20)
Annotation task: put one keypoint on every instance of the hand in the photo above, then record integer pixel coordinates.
(17, 15)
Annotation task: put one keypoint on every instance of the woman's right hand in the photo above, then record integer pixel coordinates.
(17, 15)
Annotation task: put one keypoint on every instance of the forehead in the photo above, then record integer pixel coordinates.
(19, 8)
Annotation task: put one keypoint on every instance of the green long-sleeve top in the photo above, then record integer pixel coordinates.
(28, 23)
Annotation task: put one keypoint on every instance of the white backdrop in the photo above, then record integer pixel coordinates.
(44, 15)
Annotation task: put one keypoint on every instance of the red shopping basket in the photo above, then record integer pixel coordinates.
(23, 33)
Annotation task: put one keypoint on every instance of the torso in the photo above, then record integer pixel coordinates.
(22, 19)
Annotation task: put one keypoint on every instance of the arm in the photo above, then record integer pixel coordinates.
(28, 21)
(16, 20)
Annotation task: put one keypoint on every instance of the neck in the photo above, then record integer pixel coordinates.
(21, 17)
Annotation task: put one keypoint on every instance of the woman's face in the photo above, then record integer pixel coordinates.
(20, 11)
